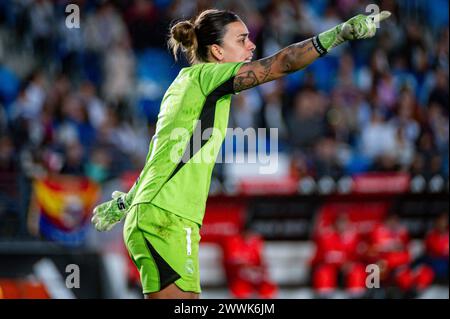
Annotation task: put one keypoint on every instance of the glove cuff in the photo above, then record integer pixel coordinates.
(318, 46)
(331, 38)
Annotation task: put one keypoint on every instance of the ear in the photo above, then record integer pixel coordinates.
(217, 52)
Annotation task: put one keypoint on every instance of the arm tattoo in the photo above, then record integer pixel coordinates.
(288, 60)
(293, 58)
(249, 78)
(245, 80)
(267, 66)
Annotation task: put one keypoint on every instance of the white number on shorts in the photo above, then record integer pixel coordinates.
(188, 240)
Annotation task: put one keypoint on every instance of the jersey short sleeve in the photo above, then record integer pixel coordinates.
(212, 75)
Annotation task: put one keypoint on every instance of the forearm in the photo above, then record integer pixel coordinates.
(290, 59)
(298, 56)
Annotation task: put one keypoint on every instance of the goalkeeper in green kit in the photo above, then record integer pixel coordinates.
(164, 209)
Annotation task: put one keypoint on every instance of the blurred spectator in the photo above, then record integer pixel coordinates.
(405, 151)
(336, 262)
(98, 167)
(437, 249)
(75, 124)
(245, 268)
(378, 138)
(389, 249)
(246, 106)
(130, 142)
(102, 30)
(272, 113)
(119, 71)
(441, 54)
(427, 161)
(439, 93)
(325, 160)
(42, 21)
(95, 106)
(8, 172)
(31, 97)
(307, 123)
(71, 46)
(346, 99)
(73, 163)
(144, 18)
(406, 117)
(389, 243)
(439, 125)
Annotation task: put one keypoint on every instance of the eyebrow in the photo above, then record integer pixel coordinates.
(243, 35)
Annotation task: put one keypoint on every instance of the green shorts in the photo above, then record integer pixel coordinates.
(164, 248)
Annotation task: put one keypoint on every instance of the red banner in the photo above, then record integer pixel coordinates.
(392, 183)
(261, 186)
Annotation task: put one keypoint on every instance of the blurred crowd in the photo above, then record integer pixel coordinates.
(84, 101)
(396, 268)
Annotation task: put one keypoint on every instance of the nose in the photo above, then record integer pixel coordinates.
(252, 46)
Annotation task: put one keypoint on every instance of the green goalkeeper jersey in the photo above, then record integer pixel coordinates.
(191, 127)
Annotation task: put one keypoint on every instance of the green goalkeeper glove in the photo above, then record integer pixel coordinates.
(359, 27)
(110, 213)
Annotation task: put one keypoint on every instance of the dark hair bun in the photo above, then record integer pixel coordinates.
(183, 32)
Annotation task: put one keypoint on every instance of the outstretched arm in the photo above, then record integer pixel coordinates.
(299, 55)
(290, 59)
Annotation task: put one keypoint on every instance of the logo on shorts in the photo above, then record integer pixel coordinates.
(189, 267)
